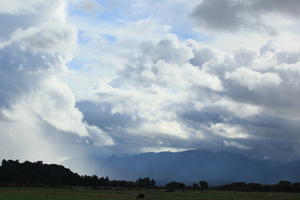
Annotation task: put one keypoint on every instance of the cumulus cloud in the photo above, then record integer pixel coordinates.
(48, 38)
(176, 87)
(197, 96)
(252, 79)
(35, 105)
(22, 15)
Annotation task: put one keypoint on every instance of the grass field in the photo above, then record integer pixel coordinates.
(24, 193)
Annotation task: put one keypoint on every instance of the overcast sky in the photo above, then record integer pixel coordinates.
(100, 77)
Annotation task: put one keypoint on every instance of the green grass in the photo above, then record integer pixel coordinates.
(23, 193)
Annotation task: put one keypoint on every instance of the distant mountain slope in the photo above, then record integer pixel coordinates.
(188, 166)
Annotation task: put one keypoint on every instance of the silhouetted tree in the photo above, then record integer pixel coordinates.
(203, 185)
(296, 187)
(175, 185)
(284, 186)
(254, 187)
(195, 186)
(145, 182)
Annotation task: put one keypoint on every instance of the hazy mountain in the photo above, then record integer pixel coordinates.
(189, 166)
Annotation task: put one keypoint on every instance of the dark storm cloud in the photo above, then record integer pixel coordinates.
(269, 136)
(219, 14)
(234, 15)
(287, 7)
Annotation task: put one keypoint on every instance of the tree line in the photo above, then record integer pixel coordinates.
(12, 172)
(281, 186)
(38, 173)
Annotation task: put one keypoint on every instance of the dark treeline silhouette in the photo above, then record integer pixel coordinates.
(40, 174)
(37, 173)
(172, 186)
(282, 186)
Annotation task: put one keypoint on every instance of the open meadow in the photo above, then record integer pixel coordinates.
(25, 193)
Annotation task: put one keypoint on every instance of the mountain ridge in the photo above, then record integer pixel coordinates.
(218, 167)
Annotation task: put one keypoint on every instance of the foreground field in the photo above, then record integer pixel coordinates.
(93, 194)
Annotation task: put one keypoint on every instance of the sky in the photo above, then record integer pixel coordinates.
(99, 77)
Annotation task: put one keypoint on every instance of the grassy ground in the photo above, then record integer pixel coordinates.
(92, 194)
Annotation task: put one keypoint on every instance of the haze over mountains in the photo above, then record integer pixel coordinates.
(189, 166)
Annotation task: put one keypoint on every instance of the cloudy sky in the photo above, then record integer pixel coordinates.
(100, 77)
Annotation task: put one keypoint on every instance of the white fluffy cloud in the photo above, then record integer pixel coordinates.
(252, 79)
(35, 105)
(184, 94)
(153, 86)
(174, 86)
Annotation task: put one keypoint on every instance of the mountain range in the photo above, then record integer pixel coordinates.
(188, 166)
